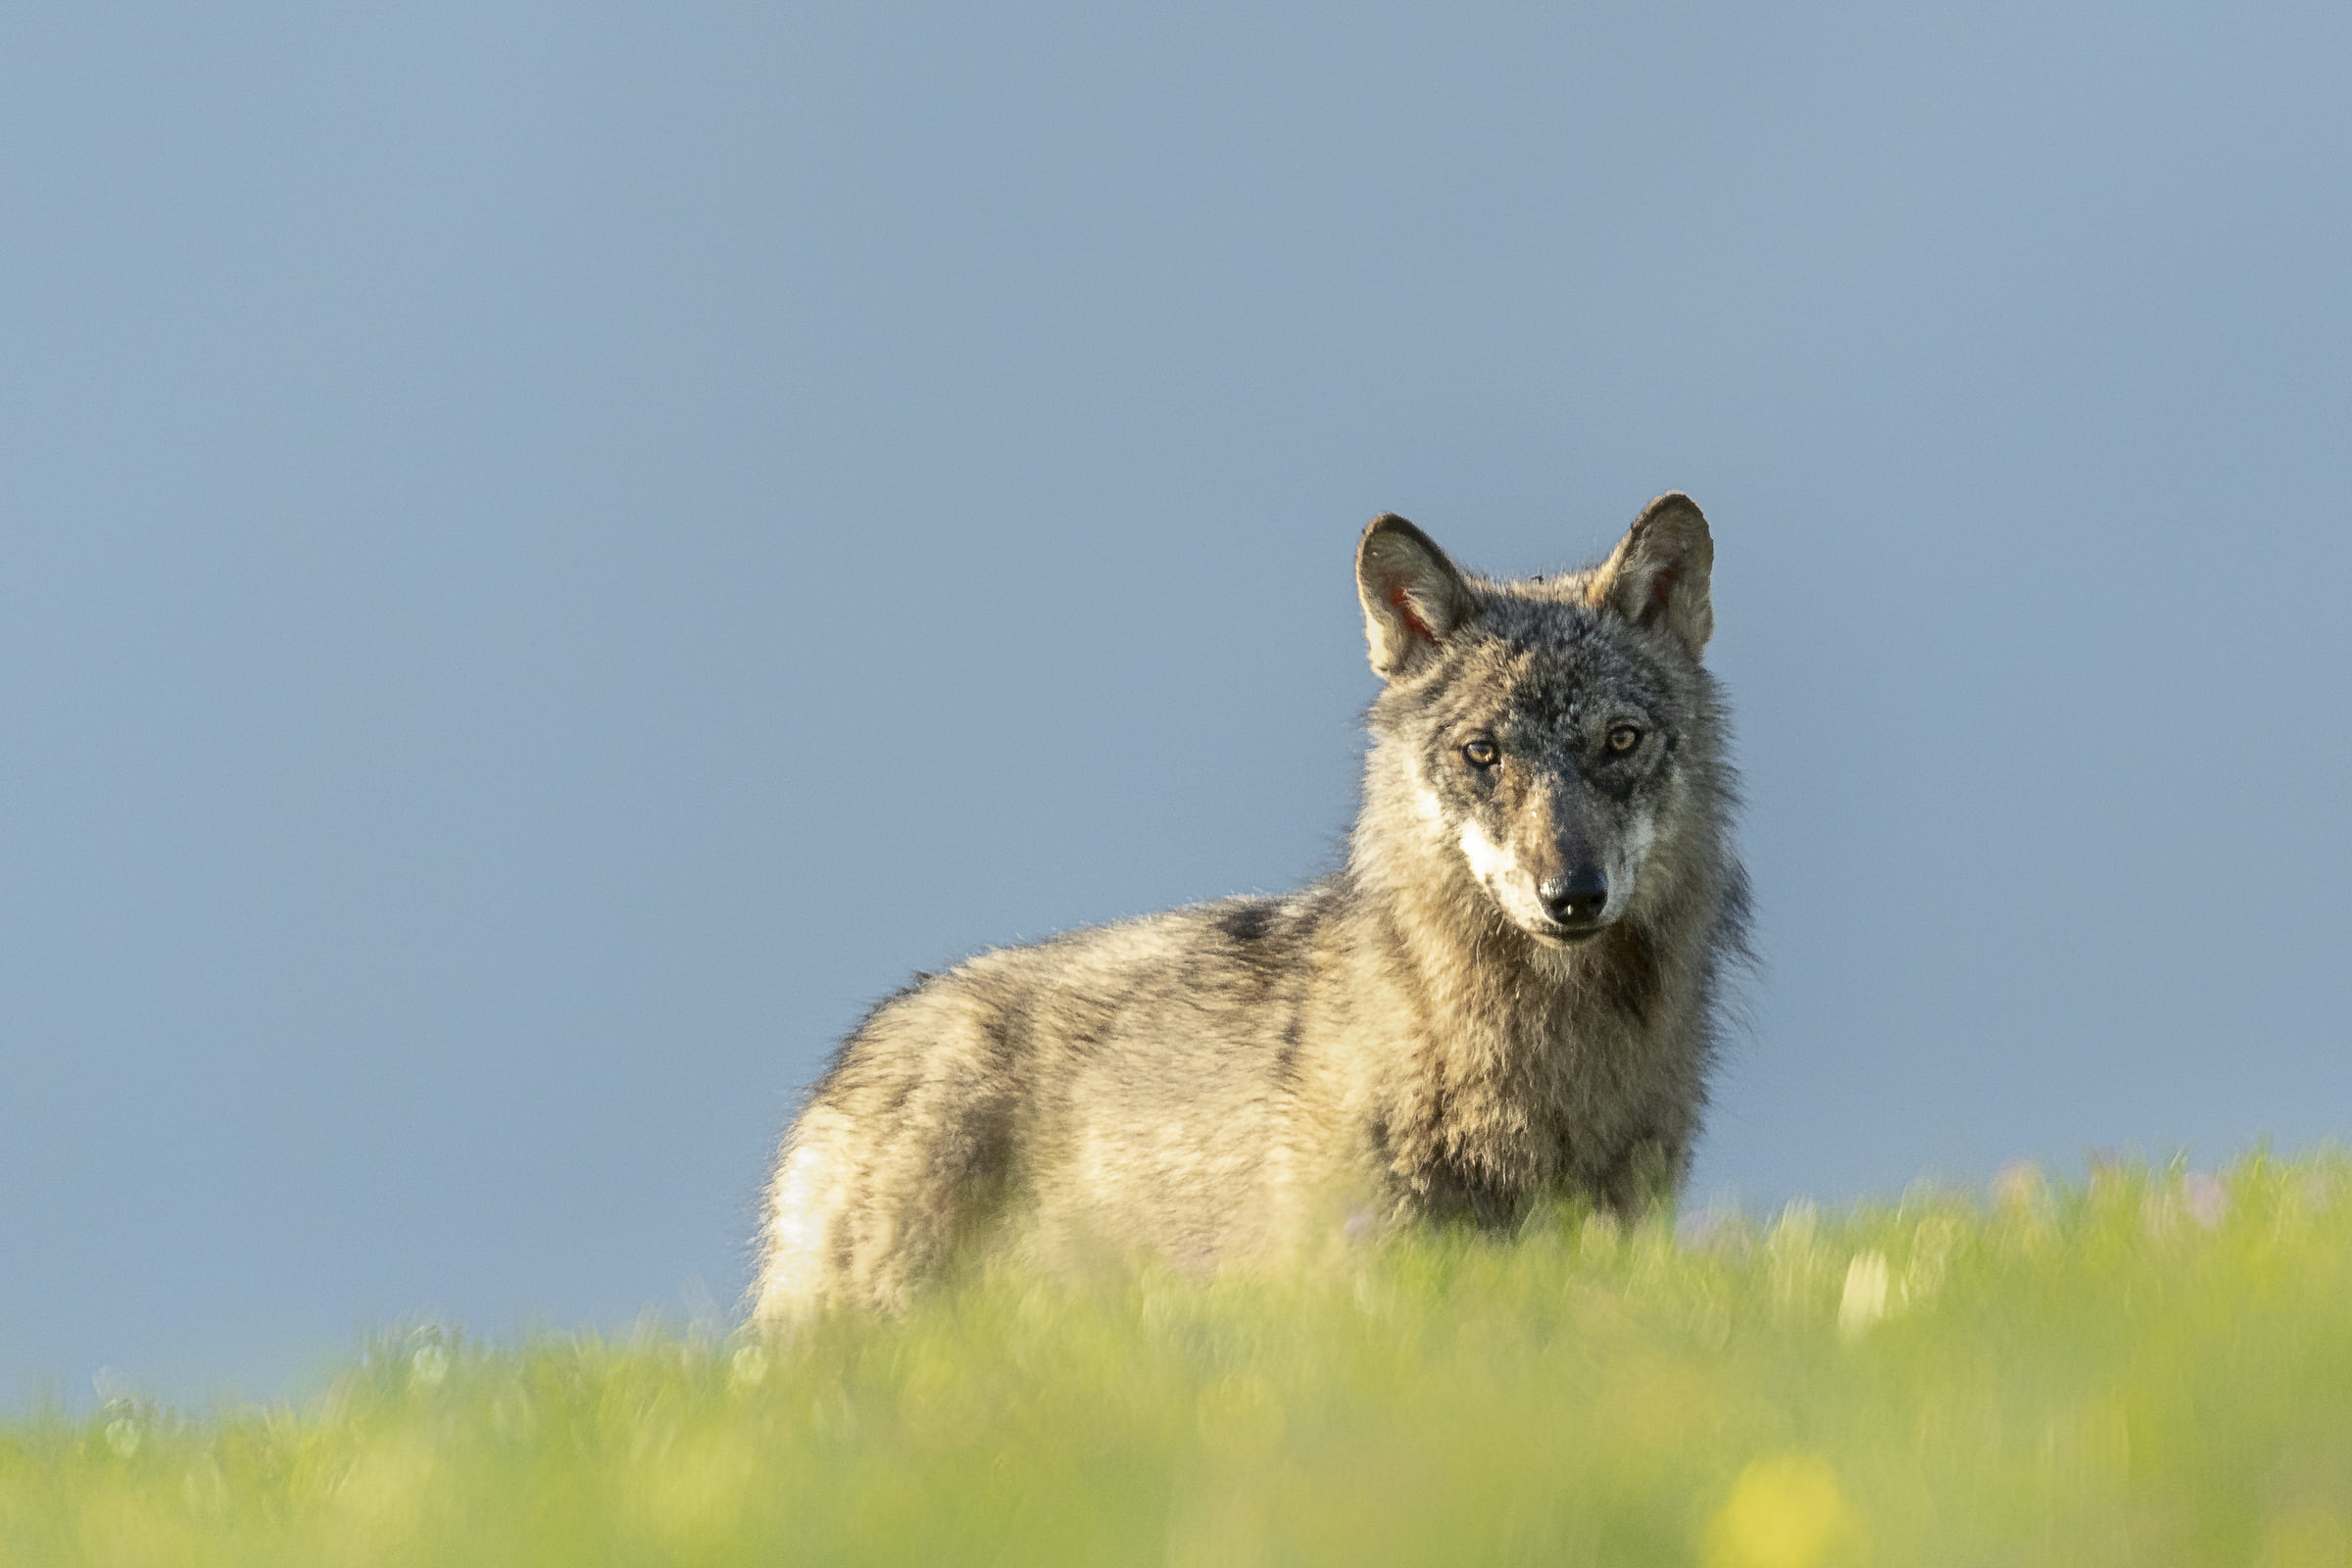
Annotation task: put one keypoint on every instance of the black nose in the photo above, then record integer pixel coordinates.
(1576, 899)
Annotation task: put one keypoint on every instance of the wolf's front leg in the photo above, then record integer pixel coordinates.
(1646, 1178)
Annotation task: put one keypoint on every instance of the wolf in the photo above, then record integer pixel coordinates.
(1511, 992)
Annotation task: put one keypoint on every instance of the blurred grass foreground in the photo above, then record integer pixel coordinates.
(2152, 1367)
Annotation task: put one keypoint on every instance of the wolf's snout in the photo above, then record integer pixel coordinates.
(1576, 899)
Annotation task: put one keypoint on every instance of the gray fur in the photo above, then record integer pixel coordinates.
(1414, 1038)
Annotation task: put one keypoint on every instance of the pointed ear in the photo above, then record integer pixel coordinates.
(1413, 597)
(1657, 577)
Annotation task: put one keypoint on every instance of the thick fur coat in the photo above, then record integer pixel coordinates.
(1511, 992)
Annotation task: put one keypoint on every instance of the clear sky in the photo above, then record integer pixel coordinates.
(551, 554)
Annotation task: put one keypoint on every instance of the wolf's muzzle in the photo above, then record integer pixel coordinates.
(1577, 899)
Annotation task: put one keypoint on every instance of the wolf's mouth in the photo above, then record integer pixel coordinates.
(1564, 935)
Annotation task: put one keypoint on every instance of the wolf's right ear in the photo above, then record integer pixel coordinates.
(1413, 597)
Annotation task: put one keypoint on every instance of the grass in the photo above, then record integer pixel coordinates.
(2150, 1367)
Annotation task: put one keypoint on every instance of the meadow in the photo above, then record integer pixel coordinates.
(2150, 1367)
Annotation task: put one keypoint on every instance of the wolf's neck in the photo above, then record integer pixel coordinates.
(1477, 980)
(1482, 990)
(1499, 1049)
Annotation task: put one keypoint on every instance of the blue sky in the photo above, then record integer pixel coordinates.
(550, 554)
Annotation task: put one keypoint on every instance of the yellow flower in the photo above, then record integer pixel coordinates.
(1784, 1511)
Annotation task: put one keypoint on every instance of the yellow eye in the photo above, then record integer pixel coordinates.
(1482, 754)
(1624, 738)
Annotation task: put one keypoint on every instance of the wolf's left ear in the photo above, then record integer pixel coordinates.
(1413, 596)
(1657, 577)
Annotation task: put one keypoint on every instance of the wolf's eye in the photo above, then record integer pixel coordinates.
(1482, 754)
(1624, 738)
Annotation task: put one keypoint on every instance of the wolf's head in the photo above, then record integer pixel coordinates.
(1545, 741)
